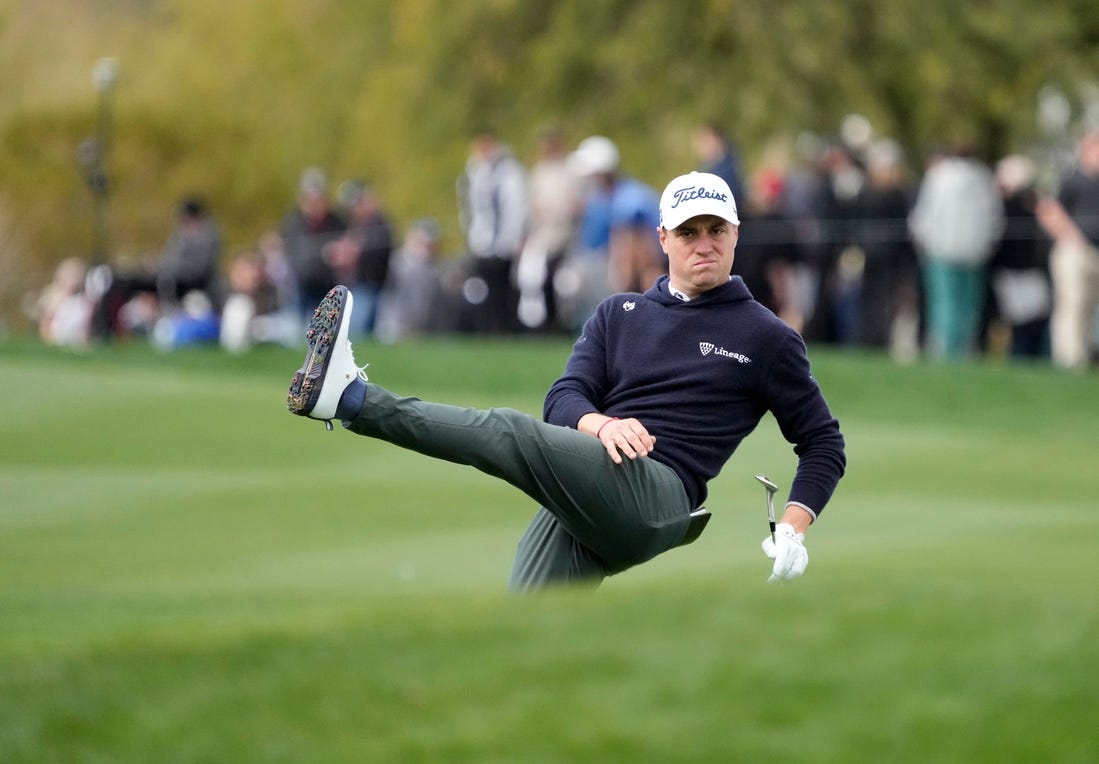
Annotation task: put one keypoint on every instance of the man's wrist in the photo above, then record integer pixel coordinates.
(590, 422)
(607, 421)
(798, 517)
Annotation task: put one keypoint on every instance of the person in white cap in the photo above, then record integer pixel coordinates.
(616, 248)
(660, 389)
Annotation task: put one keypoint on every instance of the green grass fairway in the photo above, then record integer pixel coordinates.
(190, 574)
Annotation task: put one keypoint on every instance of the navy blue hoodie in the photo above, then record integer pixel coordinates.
(700, 375)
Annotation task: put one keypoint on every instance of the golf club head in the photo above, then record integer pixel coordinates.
(771, 487)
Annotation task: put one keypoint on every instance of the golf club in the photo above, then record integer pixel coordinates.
(771, 488)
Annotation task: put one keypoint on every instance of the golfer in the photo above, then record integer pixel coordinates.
(658, 392)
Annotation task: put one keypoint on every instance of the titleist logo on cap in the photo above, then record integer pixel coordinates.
(696, 192)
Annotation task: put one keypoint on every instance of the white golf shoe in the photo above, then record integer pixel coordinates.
(329, 365)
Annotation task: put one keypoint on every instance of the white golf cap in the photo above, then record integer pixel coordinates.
(694, 194)
(595, 155)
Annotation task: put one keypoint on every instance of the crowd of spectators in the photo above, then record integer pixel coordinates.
(844, 240)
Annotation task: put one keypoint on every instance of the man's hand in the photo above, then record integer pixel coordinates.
(621, 437)
(788, 551)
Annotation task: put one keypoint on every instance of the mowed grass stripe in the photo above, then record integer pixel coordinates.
(188, 573)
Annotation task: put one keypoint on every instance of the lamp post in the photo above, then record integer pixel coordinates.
(94, 154)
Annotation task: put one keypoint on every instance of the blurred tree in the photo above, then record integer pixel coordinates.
(233, 99)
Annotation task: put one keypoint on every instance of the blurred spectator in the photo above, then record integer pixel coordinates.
(492, 210)
(129, 297)
(555, 200)
(195, 323)
(767, 250)
(360, 257)
(63, 310)
(956, 223)
(1019, 269)
(888, 298)
(120, 294)
(1072, 219)
(584, 277)
(253, 313)
(413, 298)
(191, 259)
(826, 198)
(140, 313)
(617, 246)
(277, 267)
(305, 230)
(802, 182)
(717, 155)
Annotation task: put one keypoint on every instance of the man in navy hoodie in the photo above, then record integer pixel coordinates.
(659, 391)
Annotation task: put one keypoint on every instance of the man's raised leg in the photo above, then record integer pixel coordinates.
(623, 513)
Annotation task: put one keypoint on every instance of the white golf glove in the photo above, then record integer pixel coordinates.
(788, 551)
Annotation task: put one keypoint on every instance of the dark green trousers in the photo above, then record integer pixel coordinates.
(597, 518)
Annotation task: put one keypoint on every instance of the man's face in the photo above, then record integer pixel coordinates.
(313, 206)
(483, 147)
(700, 253)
